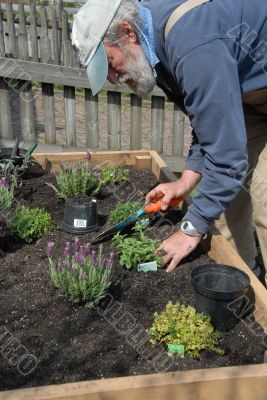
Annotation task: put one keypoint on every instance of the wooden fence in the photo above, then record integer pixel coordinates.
(37, 58)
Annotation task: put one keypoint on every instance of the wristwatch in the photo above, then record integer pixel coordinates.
(188, 228)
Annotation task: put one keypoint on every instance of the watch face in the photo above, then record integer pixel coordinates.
(185, 225)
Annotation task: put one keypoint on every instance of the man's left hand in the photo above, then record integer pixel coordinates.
(176, 247)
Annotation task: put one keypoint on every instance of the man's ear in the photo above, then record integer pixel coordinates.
(128, 31)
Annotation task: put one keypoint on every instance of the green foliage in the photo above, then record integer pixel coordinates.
(6, 197)
(123, 210)
(84, 275)
(30, 223)
(112, 174)
(136, 249)
(75, 180)
(180, 324)
(82, 178)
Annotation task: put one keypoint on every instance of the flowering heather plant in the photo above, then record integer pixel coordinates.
(75, 180)
(84, 274)
(6, 193)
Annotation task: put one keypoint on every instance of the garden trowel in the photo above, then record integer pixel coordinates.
(147, 209)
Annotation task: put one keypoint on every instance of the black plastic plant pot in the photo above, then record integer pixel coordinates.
(80, 216)
(5, 156)
(216, 287)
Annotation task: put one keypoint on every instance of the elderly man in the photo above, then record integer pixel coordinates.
(210, 58)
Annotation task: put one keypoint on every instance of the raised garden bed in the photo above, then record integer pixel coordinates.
(73, 344)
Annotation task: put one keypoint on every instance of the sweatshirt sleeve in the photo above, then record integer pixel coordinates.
(195, 160)
(208, 76)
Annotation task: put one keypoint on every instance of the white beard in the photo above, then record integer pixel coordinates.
(138, 76)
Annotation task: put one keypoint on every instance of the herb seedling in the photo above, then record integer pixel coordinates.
(136, 249)
(30, 223)
(182, 325)
(6, 193)
(82, 273)
(123, 211)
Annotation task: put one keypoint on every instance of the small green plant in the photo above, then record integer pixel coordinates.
(123, 210)
(30, 223)
(136, 249)
(112, 174)
(82, 273)
(74, 180)
(6, 193)
(182, 325)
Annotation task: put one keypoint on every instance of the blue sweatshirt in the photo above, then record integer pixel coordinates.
(212, 56)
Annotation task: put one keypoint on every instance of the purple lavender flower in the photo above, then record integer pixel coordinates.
(65, 265)
(58, 267)
(4, 182)
(73, 271)
(76, 257)
(50, 249)
(110, 259)
(94, 258)
(85, 249)
(66, 251)
(76, 244)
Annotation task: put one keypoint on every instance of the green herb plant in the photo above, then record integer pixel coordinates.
(135, 249)
(123, 211)
(6, 193)
(30, 223)
(112, 174)
(82, 273)
(182, 325)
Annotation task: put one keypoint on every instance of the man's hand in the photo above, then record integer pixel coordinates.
(176, 247)
(169, 191)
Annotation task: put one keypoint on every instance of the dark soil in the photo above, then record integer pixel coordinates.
(72, 343)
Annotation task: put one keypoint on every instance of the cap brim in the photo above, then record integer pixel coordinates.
(97, 69)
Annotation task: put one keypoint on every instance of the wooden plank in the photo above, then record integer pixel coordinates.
(5, 111)
(49, 113)
(11, 29)
(235, 383)
(60, 75)
(91, 119)
(45, 45)
(157, 163)
(70, 115)
(143, 162)
(157, 123)
(2, 41)
(55, 44)
(26, 95)
(114, 120)
(33, 32)
(136, 123)
(178, 132)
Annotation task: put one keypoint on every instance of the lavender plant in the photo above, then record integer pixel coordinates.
(83, 273)
(136, 249)
(6, 193)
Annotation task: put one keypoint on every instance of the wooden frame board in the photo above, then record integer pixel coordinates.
(239, 383)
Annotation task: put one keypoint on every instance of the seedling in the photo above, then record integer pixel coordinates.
(136, 249)
(83, 274)
(30, 223)
(122, 211)
(182, 325)
(6, 193)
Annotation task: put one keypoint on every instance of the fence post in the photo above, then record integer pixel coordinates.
(136, 123)
(91, 119)
(178, 132)
(157, 123)
(114, 120)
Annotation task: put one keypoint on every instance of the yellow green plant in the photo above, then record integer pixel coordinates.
(182, 325)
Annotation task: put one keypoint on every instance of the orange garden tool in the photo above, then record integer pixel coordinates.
(147, 209)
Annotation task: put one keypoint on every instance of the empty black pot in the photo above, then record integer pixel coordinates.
(216, 286)
(80, 216)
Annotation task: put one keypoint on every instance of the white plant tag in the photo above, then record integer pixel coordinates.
(80, 223)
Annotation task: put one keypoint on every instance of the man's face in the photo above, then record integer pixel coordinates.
(128, 65)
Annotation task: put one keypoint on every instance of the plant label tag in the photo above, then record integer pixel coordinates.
(80, 223)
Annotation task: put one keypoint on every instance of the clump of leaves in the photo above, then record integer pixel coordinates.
(30, 223)
(123, 210)
(82, 273)
(75, 180)
(6, 193)
(135, 249)
(112, 174)
(180, 324)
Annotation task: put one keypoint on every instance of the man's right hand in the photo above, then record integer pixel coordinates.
(179, 189)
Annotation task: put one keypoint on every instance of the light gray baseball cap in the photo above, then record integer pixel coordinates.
(89, 27)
